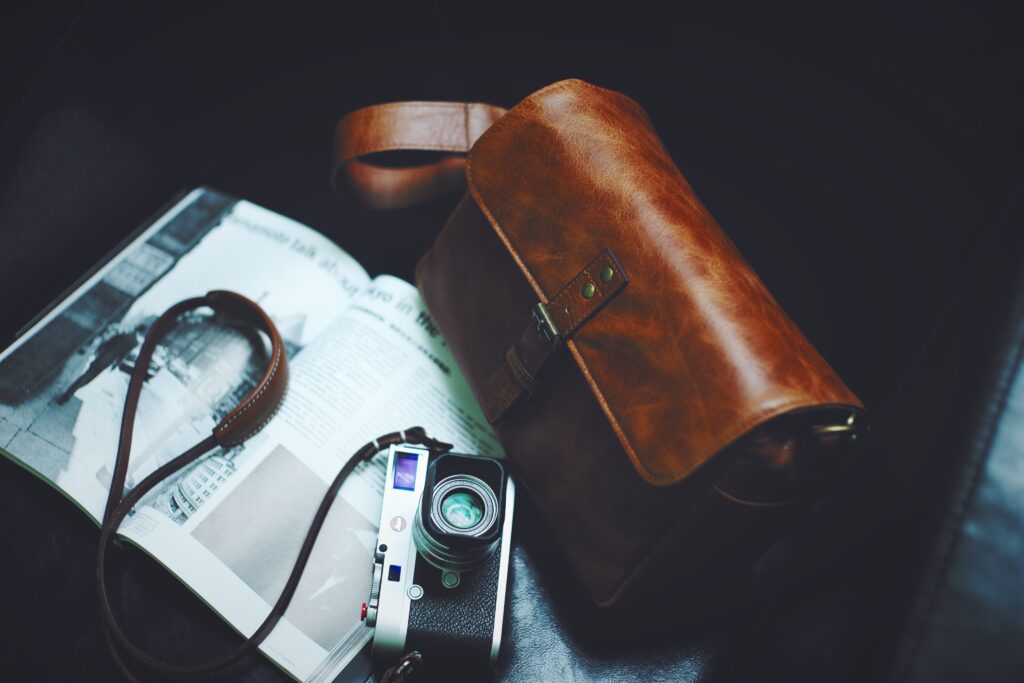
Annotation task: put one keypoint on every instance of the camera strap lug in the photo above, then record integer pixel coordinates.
(404, 669)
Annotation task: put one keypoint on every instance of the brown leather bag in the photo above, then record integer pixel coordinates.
(668, 419)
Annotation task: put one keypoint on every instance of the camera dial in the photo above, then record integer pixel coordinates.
(371, 606)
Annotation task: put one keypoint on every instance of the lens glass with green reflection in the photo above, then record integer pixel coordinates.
(462, 509)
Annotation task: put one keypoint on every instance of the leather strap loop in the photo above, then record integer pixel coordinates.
(254, 411)
(450, 128)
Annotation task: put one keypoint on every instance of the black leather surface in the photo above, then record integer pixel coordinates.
(967, 618)
(551, 628)
(455, 623)
(857, 157)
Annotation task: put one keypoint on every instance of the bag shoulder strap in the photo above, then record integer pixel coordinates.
(448, 128)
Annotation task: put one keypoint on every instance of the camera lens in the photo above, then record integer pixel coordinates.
(462, 509)
(463, 505)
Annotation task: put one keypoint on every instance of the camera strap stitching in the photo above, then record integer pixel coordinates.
(267, 395)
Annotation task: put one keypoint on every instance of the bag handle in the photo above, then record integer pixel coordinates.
(361, 136)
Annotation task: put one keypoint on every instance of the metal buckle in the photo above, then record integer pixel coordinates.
(546, 326)
(852, 427)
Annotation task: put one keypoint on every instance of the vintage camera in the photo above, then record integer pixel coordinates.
(440, 568)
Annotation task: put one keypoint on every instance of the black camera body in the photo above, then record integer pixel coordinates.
(440, 569)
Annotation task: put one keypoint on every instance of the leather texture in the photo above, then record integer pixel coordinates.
(981, 537)
(696, 351)
(603, 516)
(455, 626)
(259, 406)
(966, 619)
(677, 442)
(252, 413)
(553, 322)
(693, 398)
(448, 128)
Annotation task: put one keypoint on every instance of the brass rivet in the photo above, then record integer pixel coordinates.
(607, 273)
(589, 290)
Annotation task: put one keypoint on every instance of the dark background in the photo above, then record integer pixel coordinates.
(858, 153)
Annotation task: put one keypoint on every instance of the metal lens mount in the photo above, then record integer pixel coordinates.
(468, 555)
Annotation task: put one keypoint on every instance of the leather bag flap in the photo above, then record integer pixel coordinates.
(694, 352)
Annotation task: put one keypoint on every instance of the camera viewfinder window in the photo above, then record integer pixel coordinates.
(405, 471)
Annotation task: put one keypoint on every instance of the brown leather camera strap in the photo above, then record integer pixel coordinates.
(448, 128)
(248, 418)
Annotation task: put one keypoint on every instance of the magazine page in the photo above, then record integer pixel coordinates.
(365, 359)
(380, 367)
(63, 382)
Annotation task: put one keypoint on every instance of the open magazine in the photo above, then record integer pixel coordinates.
(365, 360)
